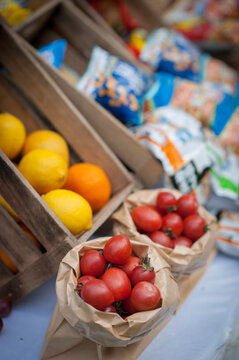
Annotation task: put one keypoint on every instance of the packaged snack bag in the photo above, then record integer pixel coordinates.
(167, 50)
(76, 325)
(182, 259)
(229, 136)
(216, 71)
(177, 140)
(54, 52)
(224, 172)
(207, 102)
(228, 233)
(116, 85)
(13, 11)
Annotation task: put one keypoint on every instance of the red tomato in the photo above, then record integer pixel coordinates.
(130, 264)
(128, 306)
(140, 273)
(182, 240)
(172, 225)
(93, 263)
(146, 218)
(166, 202)
(1, 324)
(96, 293)
(82, 281)
(145, 296)
(118, 282)
(118, 249)
(5, 307)
(159, 237)
(194, 227)
(110, 309)
(187, 205)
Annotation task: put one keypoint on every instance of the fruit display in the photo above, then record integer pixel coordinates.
(183, 231)
(72, 193)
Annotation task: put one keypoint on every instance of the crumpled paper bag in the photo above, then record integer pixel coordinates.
(75, 322)
(182, 260)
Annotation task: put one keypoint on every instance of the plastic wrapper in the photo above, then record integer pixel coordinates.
(183, 260)
(77, 324)
(207, 102)
(229, 137)
(224, 172)
(54, 52)
(228, 233)
(167, 50)
(177, 140)
(117, 85)
(13, 11)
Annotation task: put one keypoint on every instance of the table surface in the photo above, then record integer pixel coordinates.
(205, 328)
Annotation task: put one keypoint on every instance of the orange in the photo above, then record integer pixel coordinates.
(91, 182)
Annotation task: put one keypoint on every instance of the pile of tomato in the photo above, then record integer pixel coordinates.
(114, 280)
(171, 221)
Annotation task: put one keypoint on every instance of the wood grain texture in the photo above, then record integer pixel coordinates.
(15, 243)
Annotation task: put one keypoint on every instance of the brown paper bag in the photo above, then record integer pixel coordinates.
(75, 322)
(183, 260)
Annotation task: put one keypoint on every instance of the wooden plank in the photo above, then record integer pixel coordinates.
(37, 20)
(15, 243)
(61, 112)
(147, 168)
(5, 274)
(40, 271)
(33, 211)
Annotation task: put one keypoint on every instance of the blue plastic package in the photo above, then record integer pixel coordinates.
(54, 52)
(117, 85)
(207, 102)
(167, 50)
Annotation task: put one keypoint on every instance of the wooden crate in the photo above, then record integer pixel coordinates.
(39, 103)
(63, 20)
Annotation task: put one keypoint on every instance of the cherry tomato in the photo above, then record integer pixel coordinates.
(145, 296)
(166, 202)
(194, 227)
(118, 282)
(146, 218)
(130, 264)
(172, 225)
(118, 249)
(82, 281)
(141, 273)
(159, 237)
(182, 240)
(128, 306)
(187, 205)
(5, 307)
(110, 309)
(96, 293)
(1, 324)
(93, 263)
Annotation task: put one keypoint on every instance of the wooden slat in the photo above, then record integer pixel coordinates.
(147, 168)
(5, 274)
(40, 271)
(15, 243)
(33, 211)
(60, 111)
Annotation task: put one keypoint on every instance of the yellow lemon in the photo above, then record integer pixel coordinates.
(71, 208)
(12, 135)
(49, 140)
(8, 208)
(44, 169)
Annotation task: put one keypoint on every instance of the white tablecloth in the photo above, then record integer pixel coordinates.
(205, 328)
